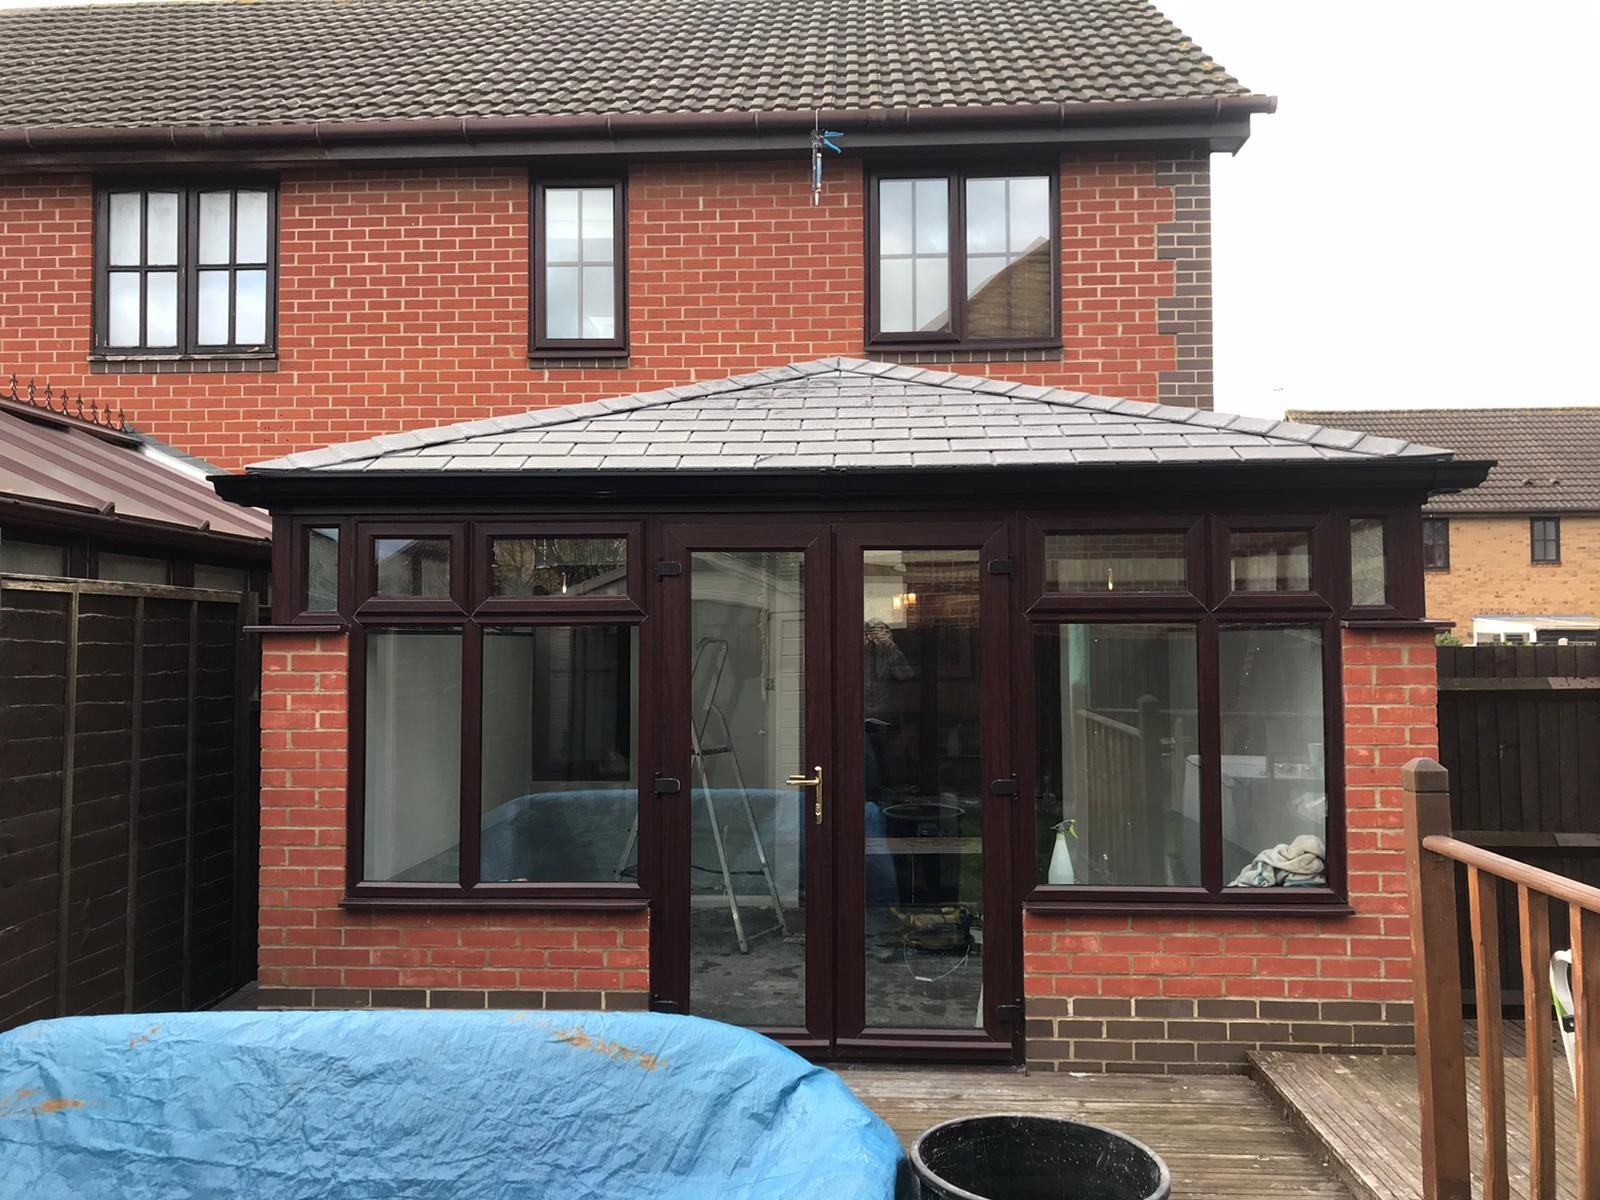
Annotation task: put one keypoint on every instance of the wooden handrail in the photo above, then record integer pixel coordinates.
(1441, 1048)
(1548, 883)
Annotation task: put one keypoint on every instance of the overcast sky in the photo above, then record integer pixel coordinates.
(1415, 226)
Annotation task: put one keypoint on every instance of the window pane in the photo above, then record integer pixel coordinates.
(1274, 781)
(132, 568)
(1271, 560)
(412, 566)
(1119, 754)
(1028, 214)
(1436, 543)
(560, 732)
(598, 209)
(122, 309)
(894, 216)
(599, 314)
(223, 579)
(561, 224)
(921, 762)
(986, 216)
(250, 315)
(1136, 561)
(558, 566)
(161, 309)
(215, 226)
(933, 294)
(895, 311)
(933, 216)
(31, 558)
(252, 233)
(981, 269)
(322, 568)
(161, 229)
(561, 314)
(1367, 565)
(211, 303)
(126, 219)
(413, 756)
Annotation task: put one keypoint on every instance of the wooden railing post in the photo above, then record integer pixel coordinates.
(1436, 973)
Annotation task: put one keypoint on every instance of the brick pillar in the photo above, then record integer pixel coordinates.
(315, 954)
(1185, 993)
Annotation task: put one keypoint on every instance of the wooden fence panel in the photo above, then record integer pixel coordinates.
(1519, 732)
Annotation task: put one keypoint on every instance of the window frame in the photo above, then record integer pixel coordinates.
(541, 346)
(1438, 522)
(1554, 540)
(471, 609)
(956, 178)
(187, 268)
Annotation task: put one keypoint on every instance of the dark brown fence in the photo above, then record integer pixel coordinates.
(128, 790)
(1519, 733)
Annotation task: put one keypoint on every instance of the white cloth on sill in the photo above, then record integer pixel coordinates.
(1302, 861)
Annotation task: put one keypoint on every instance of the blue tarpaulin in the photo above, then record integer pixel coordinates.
(346, 1105)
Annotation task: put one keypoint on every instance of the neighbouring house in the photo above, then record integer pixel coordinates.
(128, 722)
(886, 646)
(1515, 560)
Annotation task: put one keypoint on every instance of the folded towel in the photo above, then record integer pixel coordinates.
(1300, 863)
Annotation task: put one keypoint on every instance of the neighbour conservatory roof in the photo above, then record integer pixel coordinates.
(847, 415)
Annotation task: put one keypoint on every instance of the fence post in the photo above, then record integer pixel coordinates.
(1436, 975)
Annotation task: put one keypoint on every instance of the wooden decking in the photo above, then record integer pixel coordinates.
(1221, 1135)
(1364, 1115)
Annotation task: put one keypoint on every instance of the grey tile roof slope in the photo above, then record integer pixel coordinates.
(1547, 459)
(276, 61)
(842, 414)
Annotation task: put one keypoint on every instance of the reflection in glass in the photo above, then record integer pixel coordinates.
(31, 558)
(1274, 778)
(413, 755)
(412, 566)
(1368, 584)
(221, 579)
(923, 854)
(132, 568)
(580, 263)
(558, 566)
(1118, 739)
(1010, 265)
(913, 255)
(560, 737)
(746, 709)
(322, 568)
(1135, 561)
(1270, 560)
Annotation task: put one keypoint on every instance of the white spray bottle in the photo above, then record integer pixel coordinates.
(1060, 870)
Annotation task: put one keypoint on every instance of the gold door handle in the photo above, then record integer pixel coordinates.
(811, 781)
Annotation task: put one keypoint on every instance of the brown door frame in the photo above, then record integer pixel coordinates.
(997, 1041)
(669, 931)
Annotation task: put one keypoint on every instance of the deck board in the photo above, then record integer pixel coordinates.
(1222, 1136)
(1363, 1112)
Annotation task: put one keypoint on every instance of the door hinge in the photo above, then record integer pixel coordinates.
(1003, 787)
(666, 785)
(666, 568)
(1008, 1014)
(1002, 566)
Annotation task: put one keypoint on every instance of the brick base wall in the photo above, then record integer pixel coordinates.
(1174, 994)
(316, 954)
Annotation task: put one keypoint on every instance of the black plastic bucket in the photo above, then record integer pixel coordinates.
(1006, 1157)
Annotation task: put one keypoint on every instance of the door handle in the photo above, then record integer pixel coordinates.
(811, 781)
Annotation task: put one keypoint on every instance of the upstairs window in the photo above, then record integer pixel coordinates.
(185, 271)
(580, 304)
(1436, 543)
(1545, 536)
(964, 258)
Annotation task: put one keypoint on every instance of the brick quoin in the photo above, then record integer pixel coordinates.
(1178, 994)
(315, 954)
(403, 296)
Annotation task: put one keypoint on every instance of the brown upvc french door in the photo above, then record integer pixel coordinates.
(834, 786)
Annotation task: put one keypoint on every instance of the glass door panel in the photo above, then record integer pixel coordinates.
(746, 704)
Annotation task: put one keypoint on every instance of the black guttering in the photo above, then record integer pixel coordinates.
(289, 488)
(1223, 119)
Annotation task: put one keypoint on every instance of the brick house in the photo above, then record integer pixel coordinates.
(1515, 559)
(630, 650)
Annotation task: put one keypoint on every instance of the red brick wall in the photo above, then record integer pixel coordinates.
(313, 953)
(1198, 993)
(403, 297)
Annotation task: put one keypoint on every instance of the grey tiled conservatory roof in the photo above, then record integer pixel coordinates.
(848, 414)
